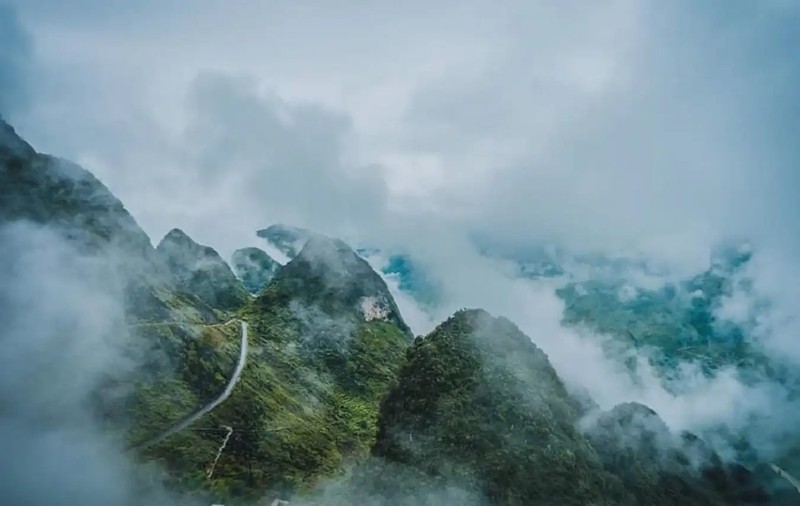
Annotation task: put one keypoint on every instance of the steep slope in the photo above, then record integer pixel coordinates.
(201, 271)
(180, 360)
(48, 190)
(658, 467)
(479, 408)
(329, 275)
(326, 343)
(254, 268)
(52, 192)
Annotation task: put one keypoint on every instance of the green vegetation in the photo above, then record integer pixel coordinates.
(254, 267)
(308, 398)
(200, 271)
(478, 408)
(334, 388)
(669, 325)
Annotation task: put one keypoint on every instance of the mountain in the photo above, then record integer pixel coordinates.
(200, 270)
(327, 341)
(48, 191)
(411, 277)
(254, 268)
(478, 407)
(179, 356)
(328, 274)
(659, 467)
(287, 239)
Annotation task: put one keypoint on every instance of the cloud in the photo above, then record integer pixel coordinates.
(651, 128)
(62, 336)
(288, 159)
(16, 52)
(625, 126)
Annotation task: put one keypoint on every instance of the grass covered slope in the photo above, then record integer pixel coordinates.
(479, 409)
(321, 359)
(254, 268)
(479, 406)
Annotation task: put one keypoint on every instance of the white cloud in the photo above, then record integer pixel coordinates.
(62, 336)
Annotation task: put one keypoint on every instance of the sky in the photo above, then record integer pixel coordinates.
(651, 128)
(626, 125)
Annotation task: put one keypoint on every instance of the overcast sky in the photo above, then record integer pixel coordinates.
(654, 125)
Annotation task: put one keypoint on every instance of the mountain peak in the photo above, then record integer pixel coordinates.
(200, 270)
(475, 403)
(48, 190)
(254, 267)
(177, 235)
(327, 272)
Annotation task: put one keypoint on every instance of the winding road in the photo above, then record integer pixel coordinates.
(188, 420)
(788, 477)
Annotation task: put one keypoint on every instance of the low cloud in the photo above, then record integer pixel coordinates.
(63, 336)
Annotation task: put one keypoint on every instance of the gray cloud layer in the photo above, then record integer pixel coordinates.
(650, 127)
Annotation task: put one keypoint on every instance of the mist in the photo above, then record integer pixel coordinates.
(63, 338)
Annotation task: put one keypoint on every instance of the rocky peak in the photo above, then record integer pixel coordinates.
(328, 273)
(46, 190)
(477, 404)
(254, 267)
(200, 270)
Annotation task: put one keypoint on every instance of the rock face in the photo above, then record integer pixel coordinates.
(201, 271)
(254, 268)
